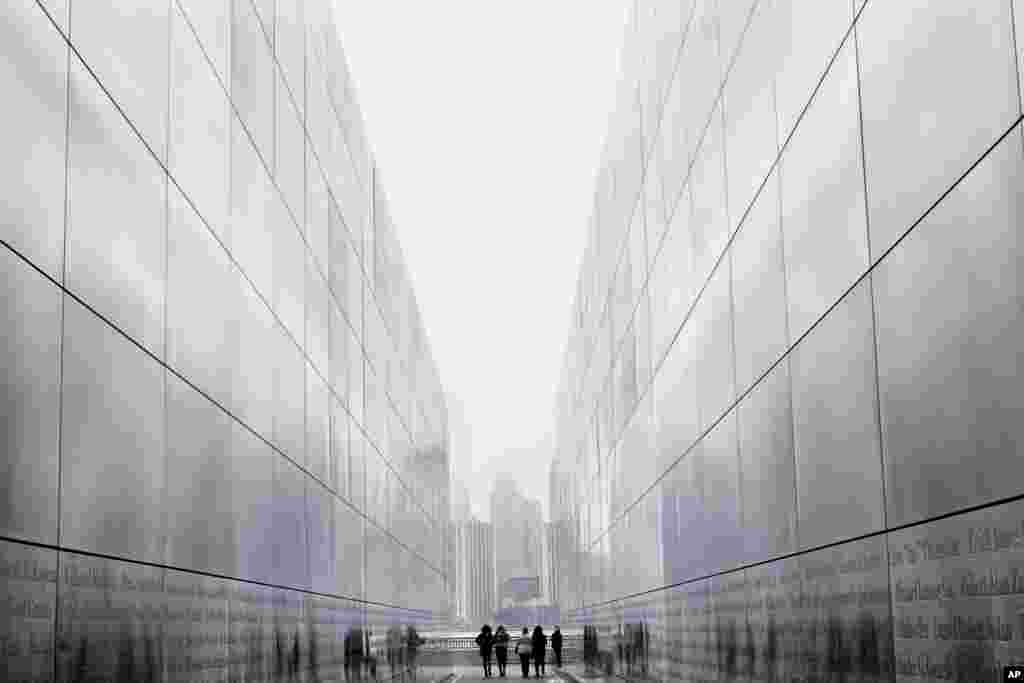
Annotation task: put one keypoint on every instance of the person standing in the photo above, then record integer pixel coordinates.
(354, 654)
(485, 641)
(556, 645)
(412, 649)
(501, 649)
(540, 644)
(392, 643)
(524, 648)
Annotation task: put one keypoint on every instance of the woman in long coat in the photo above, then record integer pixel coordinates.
(540, 644)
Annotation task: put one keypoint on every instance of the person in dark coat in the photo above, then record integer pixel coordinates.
(556, 645)
(353, 654)
(485, 641)
(540, 644)
(501, 649)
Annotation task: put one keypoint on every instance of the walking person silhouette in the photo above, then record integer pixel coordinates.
(485, 641)
(524, 648)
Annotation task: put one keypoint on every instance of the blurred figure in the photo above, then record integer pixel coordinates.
(353, 654)
(412, 644)
(293, 660)
(501, 649)
(540, 644)
(524, 648)
(125, 655)
(556, 645)
(392, 644)
(620, 646)
(485, 641)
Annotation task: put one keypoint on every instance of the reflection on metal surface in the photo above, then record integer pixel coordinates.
(225, 443)
(827, 397)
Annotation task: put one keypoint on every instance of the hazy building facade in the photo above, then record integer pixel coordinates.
(477, 600)
(223, 428)
(518, 534)
(790, 412)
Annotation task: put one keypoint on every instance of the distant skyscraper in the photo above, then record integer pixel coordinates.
(550, 564)
(475, 571)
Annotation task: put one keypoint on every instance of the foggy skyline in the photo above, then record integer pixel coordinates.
(490, 153)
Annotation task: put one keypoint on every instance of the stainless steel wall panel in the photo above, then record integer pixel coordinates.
(57, 10)
(712, 322)
(823, 211)
(290, 47)
(767, 467)
(30, 358)
(199, 501)
(927, 113)
(126, 46)
(34, 76)
(320, 215)
(838, 461)
(318, 303)
(112, 442)
(198, 156)
(253, 75)
(674, 282)
(716, 462)
(949, 328)
(210, 20)
(289, 528)
(202, 283)
(288, 268)
(751, 138)
(318, 453)
(115, 259)
(808, 33)
(709, 221)
(759, 289)
(732, 21)
(348, 548)
(290, 148)
(254, 337)
(289, 396)
(322, 537)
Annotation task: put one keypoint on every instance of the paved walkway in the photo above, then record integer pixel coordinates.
(465, 674)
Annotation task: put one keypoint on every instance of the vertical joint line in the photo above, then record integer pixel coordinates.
(871, 285)
(55, 663)
(779, 173)
(168, 111)
(1016, 56)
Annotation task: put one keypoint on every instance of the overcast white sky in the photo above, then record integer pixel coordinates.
(486, 118)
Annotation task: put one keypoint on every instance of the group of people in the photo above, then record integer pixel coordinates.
(528, 647)
(402, 649)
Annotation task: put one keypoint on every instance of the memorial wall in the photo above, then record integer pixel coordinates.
(790, 419)
(223, 447)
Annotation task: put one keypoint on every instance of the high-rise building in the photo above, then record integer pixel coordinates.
(550, 568)
(476, 600)
(218, 394)
(790, 413)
